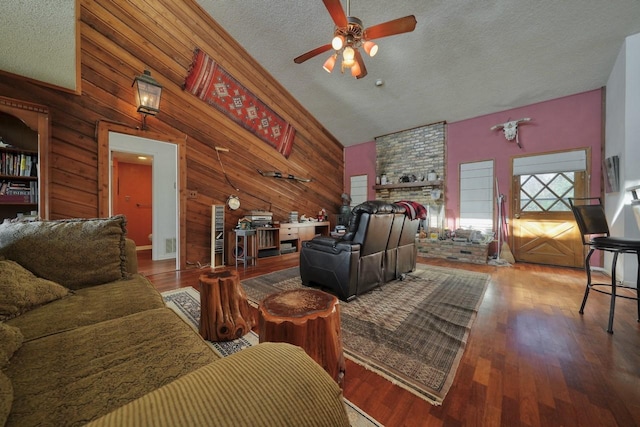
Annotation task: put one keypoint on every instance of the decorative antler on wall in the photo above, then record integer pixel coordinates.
(510, 129)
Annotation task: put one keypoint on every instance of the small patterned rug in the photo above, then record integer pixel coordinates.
(186, 302)
(412, 332)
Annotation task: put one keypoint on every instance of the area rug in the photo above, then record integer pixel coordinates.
(186, 302)
(412, 332)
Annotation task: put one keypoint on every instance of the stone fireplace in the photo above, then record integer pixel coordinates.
(406, 159)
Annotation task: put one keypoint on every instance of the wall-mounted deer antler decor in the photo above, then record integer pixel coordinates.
(510, 129)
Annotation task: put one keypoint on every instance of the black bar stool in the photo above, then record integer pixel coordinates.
(594, 229)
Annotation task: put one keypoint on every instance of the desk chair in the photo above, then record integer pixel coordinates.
(594, 230)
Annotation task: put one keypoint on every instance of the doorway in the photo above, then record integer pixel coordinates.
(132, 195)
(164, 205)
(543, 226)
(165, 202)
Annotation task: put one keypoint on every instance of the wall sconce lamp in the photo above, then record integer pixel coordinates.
(148, 93)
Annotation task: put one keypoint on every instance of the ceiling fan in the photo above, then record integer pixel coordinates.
(350, 35)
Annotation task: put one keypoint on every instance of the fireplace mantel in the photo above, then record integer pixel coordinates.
(432, 184)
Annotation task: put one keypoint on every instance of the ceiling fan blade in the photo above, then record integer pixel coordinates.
(317, 51)
(337, 13)
(360, 61)
(390, 28)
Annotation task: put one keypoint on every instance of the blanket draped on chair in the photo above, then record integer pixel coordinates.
(414, 209)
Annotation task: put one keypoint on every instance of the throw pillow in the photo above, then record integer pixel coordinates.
(74, 252)
(11, 340)
(21, 290)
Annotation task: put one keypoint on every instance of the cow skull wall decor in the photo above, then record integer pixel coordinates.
(510, 129)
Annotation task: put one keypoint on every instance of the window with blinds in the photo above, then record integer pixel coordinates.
(358, 189)
(476, 196)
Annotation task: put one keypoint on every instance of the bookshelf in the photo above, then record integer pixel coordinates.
(268, 241)
(24, 144)
(18, 176)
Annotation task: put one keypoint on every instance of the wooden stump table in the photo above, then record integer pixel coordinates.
(308, 318)
(224, 311)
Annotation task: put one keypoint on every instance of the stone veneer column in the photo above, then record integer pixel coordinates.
(413, 152)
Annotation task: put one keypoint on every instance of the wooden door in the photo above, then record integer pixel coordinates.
(544, 229)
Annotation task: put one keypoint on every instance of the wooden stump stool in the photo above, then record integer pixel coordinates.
(224, 311)
(308, 318)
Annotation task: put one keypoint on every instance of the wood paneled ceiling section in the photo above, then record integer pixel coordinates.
(118, 41)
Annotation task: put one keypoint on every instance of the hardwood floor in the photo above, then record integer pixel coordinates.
(148, 267)
(531, 359)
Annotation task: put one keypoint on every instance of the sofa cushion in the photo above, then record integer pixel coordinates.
(294, 391)
(21, 290)
(10, 341)
(92, 370)
(74, 252)
(90, 305)
(6, 398)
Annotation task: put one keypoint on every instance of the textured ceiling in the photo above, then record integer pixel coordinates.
(38, 40)
(464, 59)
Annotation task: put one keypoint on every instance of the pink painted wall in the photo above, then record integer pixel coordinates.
(565, 123)
(360, 159)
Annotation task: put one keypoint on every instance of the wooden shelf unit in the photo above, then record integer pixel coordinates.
(25, 126)
(217, 236)
(268, 241)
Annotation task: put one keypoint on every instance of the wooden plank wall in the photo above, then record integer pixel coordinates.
(118, 41)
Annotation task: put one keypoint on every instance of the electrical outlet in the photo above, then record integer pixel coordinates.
(193, 194)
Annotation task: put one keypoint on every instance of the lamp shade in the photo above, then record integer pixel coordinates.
(356, 70)
(371, 48)
(148, 93)
(337, 42)
(330, 63)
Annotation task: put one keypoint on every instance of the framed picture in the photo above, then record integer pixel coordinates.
(611, 171)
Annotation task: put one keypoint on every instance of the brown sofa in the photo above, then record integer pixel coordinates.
(85, 339)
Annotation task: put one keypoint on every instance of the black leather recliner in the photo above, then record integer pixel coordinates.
(407, 248)
(354, 263)
(390, 259)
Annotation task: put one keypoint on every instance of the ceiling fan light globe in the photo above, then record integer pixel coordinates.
(371, 48)
(337, 42)
(348, 54)
(330, 63)
(348, 64)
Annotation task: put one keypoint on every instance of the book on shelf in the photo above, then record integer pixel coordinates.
(19, 191)
(18, 164)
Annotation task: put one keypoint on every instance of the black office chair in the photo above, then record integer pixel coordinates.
(592, 222)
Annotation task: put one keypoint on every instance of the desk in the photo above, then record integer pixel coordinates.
(248, 246)
(298, 232)
(267, 240)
